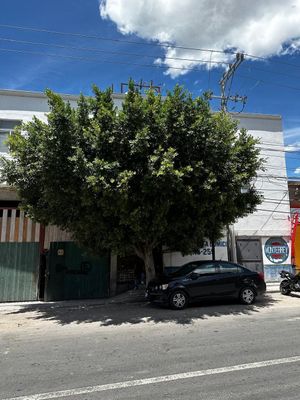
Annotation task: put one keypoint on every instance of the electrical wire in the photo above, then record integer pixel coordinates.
(97, 60)
(280, 156)
(280, 150)
(96, 37)
(273, 211)
(143, 43)
(266, 82)
(274, 72)
(95, 50)
(136, 55)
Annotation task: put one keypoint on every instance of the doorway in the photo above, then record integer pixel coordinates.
(249, 253)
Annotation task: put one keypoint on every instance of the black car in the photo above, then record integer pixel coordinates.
(199, 280)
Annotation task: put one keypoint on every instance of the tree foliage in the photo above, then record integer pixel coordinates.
(157, 171)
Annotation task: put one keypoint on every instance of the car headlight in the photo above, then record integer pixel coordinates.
(164, 287)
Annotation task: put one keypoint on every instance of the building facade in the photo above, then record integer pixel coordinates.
(261, 241)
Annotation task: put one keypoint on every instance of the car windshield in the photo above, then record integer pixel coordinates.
(184, 270)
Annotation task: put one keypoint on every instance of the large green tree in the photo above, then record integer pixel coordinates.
(157, 171)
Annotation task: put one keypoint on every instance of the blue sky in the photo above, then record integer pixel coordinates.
(272, 86)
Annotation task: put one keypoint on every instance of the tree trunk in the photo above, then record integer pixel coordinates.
(149, 265)
(146, 254)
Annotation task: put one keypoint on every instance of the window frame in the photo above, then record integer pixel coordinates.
(8, 131)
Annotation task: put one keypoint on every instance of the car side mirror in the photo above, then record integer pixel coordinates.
(194, 276)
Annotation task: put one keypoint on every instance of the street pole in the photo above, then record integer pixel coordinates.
(213, 248)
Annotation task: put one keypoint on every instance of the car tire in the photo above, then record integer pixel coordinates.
(178, 300)
(247, 295)
(284, 289)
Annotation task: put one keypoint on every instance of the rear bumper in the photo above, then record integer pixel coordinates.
(261, 288)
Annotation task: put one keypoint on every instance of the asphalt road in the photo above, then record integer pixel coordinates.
(211, 351)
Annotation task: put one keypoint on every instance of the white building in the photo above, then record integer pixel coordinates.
(260, 241)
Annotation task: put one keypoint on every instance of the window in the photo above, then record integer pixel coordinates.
(6, 128)
(205, 269)
(229, 268)
(184, 270)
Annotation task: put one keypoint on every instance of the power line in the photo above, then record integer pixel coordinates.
(281, 151)
(276, 202)
(280, 156)
(96, 37)
(271, 144)
(96, 60)
(92, 49)
(273, 211)
(263, 81)
(157, 44)
(28, 42)
(272, 199)
(276, 72)
(274, 61)
(275, 177)
(89, 59)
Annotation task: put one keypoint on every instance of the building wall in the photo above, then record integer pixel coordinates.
(22, 105)
(176, 259)
(55, 234)
(271, 218)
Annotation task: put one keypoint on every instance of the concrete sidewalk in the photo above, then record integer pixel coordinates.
(273, 287)
(129, 297)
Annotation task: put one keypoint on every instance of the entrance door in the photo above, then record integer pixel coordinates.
(72, 273)
(249, 253)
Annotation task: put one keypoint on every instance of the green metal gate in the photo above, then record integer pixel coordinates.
(19, 265)
(72, 273)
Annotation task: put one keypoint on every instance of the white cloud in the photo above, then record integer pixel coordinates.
(297, 170)
(292, 133)
(292, 147)
(262, 28)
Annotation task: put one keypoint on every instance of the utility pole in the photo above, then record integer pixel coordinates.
(223, 85)
(224, 102)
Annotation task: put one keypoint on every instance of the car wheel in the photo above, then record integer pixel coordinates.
(178, 300)
(285, 289)
(247, 295)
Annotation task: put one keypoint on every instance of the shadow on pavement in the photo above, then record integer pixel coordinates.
(294, 295)
(118, 314)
